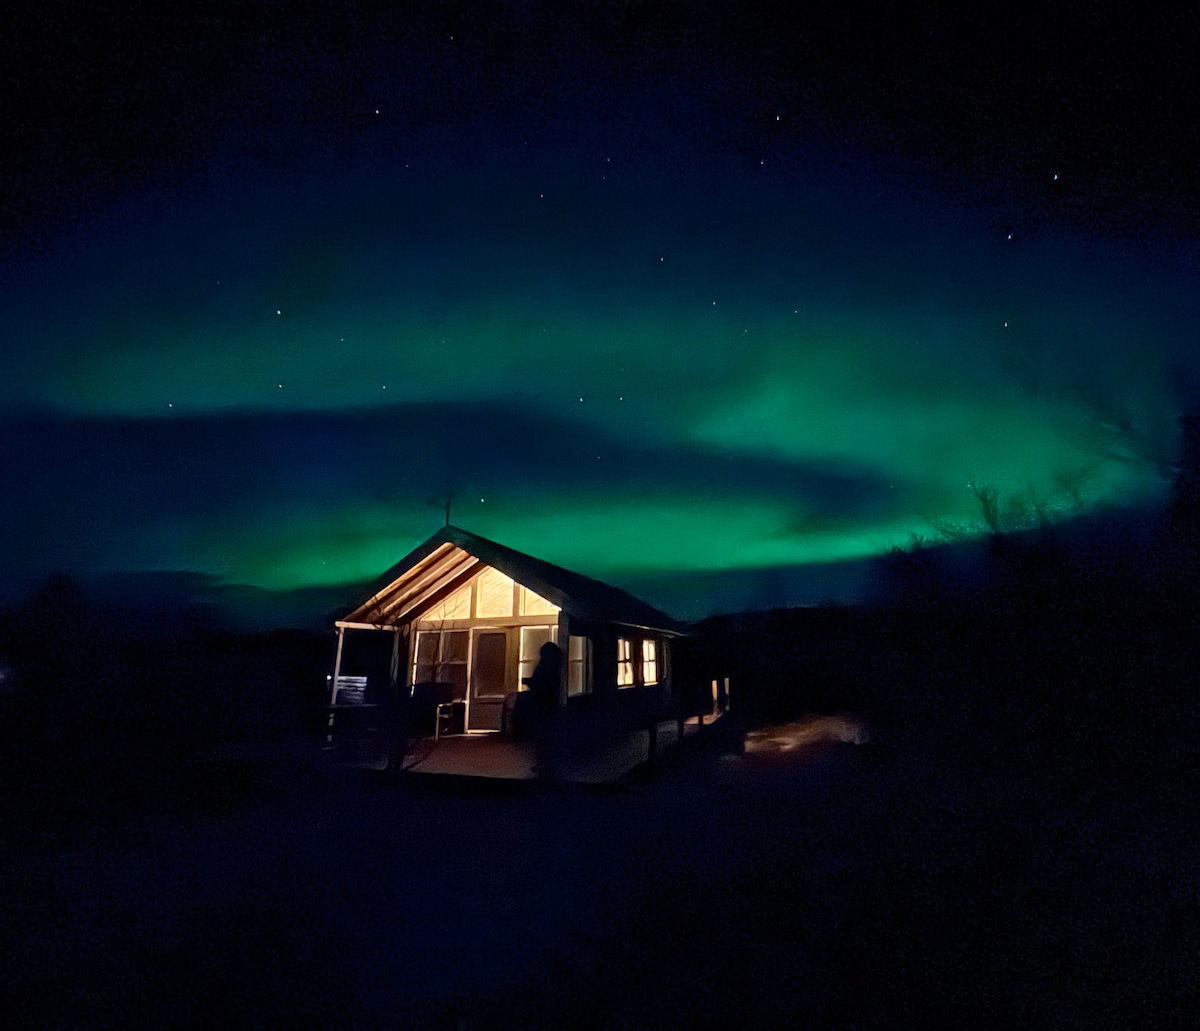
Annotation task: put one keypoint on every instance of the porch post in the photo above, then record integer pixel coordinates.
(564, 645)
(395, 670)
(337, 667)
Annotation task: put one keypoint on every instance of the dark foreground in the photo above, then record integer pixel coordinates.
(829, 886)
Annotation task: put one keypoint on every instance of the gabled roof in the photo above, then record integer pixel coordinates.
(436, 569)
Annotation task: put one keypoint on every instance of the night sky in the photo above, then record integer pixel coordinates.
(711, 300)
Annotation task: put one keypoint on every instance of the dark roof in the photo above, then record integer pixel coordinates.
(452, 556)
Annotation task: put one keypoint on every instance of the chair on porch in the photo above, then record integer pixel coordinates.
(434, 707)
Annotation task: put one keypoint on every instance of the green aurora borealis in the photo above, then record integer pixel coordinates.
(628, 361)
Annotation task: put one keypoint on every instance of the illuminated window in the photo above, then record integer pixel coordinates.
(493, 594)
(579, 665)
(532, 639)
(535, 605)
(457, 606)
(442, 657)
(649, 662)
(624, 662)
(425, 664)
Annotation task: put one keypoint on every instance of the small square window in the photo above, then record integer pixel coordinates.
(624, 662)
(649, 662)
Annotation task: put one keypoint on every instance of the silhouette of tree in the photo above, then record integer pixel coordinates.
(1183, 508)
(988, 499)
(910, 574)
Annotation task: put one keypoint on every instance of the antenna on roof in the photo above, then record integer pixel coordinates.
(447, 509)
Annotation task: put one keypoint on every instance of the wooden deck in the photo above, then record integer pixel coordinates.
(489, 755)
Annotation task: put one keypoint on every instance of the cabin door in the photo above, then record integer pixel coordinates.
(490, 652)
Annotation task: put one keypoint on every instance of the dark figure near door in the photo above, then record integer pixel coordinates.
(544, 686)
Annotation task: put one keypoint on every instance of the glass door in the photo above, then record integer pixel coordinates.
(490, 652)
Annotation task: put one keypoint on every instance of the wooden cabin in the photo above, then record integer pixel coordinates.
(457, 627)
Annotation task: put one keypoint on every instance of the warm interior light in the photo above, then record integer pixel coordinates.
(624, 662)
(649, 662)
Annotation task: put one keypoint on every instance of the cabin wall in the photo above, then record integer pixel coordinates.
(637, 702)
(604, 661)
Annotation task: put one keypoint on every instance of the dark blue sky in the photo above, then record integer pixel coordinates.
(651, 290)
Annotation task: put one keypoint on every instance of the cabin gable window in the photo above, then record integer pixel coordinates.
(493, 594)
(532, 604)
(457, 606)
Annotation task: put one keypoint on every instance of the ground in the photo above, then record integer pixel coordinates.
(829, 884)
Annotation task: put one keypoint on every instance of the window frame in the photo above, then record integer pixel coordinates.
(440, 666)
(579, 669)
(625, 663)
(650, 644)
